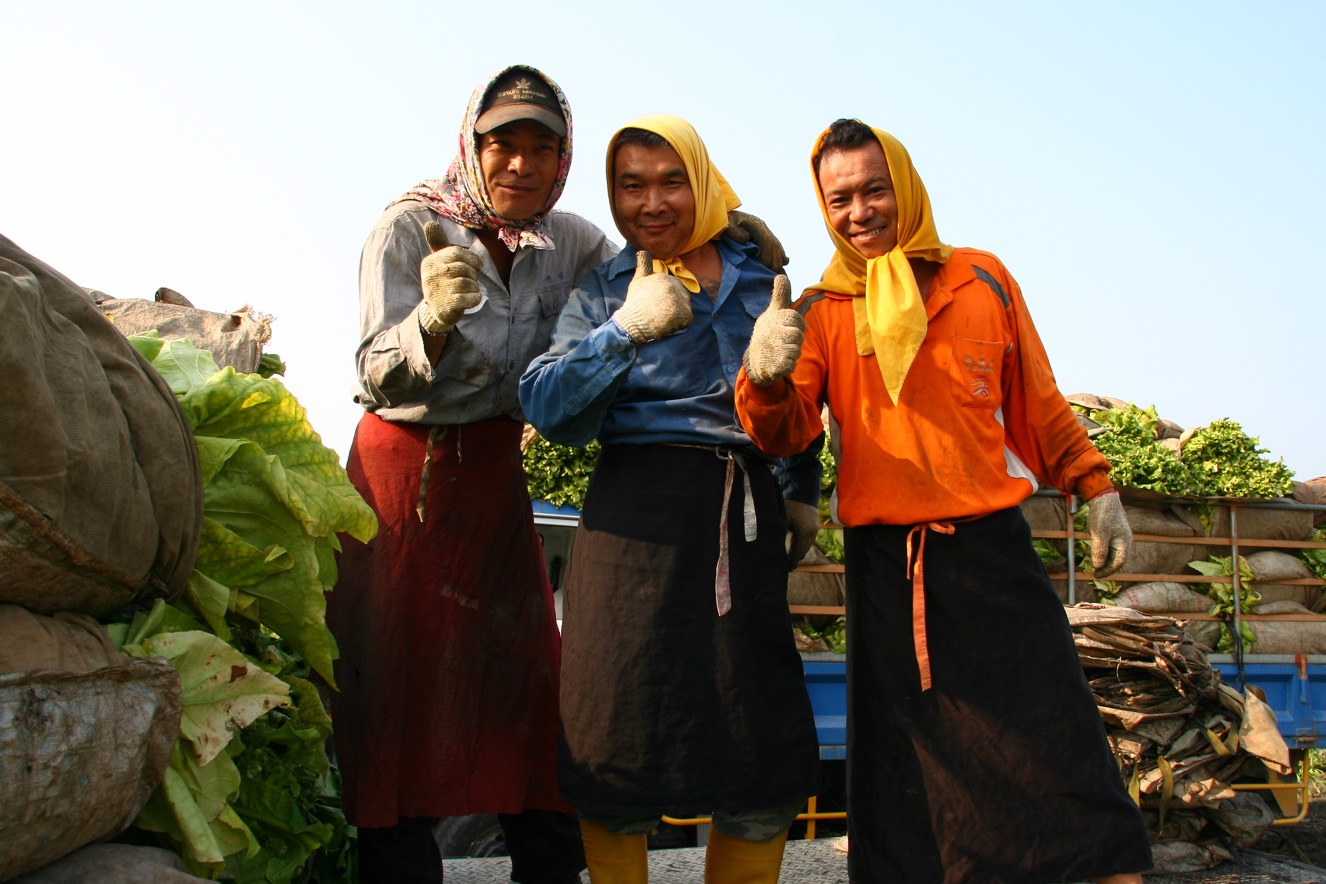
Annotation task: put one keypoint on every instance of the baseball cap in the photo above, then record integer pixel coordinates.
(520, 95)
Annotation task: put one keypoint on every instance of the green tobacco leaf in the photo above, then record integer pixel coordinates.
(1211, 569)
(233, 560)
(262, 410)
(288, 838)
(266, 550)
(183, 365)
(161, 617)
(148, 343)
(191, 808)
(223, 691)
(270, 364)
(211, 600)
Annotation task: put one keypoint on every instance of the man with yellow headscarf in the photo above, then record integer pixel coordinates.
(975, 750)
(682, 692)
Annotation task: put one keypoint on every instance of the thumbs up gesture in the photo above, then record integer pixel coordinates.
(656, 305)
(450, 281)
(775, 344)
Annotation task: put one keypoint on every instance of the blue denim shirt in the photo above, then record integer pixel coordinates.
(596, 383)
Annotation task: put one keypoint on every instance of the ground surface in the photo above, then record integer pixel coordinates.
(1303, 842)
(1302, 847)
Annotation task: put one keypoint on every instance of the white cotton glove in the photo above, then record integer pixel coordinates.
(803, 523)
(656, 305)
(744, 228)
(775, 343)
(1111, 538)
(450, 281)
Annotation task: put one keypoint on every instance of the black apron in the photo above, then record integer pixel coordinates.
(668, 708)
(1001, 771)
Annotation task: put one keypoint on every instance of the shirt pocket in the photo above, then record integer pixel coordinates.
(465, 361)
(974, 373)
(552, 298)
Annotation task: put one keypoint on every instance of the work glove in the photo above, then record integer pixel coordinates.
(657, 304)
(744, 228)
(450, 281)
(803, 523)
(1111, 538)
(775, 343)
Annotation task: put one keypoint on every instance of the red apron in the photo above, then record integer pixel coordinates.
(447, 633)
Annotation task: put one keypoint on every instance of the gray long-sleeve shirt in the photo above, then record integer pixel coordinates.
(484, 355)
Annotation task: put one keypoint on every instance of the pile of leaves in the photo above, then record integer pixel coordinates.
(1218, 460)
(559, 474)
(1182, 738)
(249, 794)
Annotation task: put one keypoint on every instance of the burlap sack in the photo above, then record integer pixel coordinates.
(822, 588)
(80, 749)
(61, 643)
(1313, 492)
(1243, 819)
(1261, 523)
(1177, 857)
(1286, 636)
(1204, 633)
(1045, 513)
(1269, 567)
(234, 339)
(1154, 557)
(1279, 607)
(1163, 598)
(100, 493)
(114, 864)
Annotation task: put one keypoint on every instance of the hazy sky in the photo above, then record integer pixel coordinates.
(1150, 172)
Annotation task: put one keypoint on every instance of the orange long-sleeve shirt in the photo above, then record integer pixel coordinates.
(980, 419)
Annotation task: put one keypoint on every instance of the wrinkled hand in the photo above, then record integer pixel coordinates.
(744, 228)
(1111, 538)
(803, 523)
(656, 305)
(450, 281)
(775, 343)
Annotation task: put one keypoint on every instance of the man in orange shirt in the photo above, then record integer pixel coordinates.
(975, 751)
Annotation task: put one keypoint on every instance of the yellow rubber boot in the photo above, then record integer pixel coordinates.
(729, 860)
(613, 858)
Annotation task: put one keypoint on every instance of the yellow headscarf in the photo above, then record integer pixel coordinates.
(713, 197)
(890, 318)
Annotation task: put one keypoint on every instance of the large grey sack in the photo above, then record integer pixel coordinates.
(86, 733)
(114, 864)
(100, 492)
(234, 339)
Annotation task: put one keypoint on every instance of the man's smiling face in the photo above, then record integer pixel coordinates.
(859, 198)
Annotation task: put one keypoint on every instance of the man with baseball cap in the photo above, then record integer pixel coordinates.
(519, 96)
(448, 675)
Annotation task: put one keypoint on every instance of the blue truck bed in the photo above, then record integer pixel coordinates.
(1295, 689)
(826, 682)
(1294, 686)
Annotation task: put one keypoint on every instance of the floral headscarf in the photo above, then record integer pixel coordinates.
(714, 198)
(462, 195)
(890, 310)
